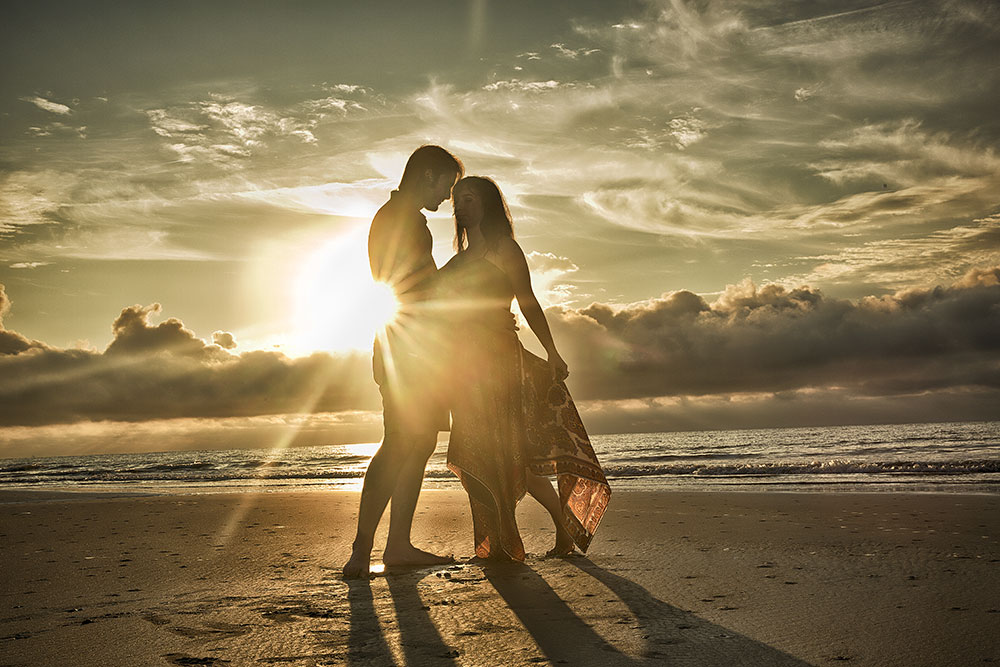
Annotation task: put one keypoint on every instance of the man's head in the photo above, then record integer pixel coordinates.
(430, 174)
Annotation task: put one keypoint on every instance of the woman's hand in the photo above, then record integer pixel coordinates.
(559, 369)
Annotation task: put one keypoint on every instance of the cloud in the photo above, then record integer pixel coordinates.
(226, 129)
(224, 339)
(650, 207)
(709, 127)
(548, 273)
(135, 335)
(547, 262)
(989, 277)
(749, 343)
(48, 105)
(698, 143)
(826, 407)
(573, 54)
(28, 265)
(772, 339)
(804, 93)
(164, 371)
(524, 86)
(897, 263)
(32, 198)
(185, 434)
(136, 192)
(727, 129)
(55, 128)
(11, 342)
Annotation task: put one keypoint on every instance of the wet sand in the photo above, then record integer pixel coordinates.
(673, 578)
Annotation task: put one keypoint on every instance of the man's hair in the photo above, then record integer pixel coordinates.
(439, 161)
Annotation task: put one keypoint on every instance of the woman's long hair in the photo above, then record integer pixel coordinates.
(496, 223)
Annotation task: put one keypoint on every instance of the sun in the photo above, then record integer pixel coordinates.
(338, 306)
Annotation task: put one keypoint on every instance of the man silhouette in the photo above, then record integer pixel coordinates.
(406, 361)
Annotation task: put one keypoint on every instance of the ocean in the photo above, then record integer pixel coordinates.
(958, 457)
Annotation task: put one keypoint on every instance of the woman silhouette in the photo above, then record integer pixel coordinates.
(513, 421)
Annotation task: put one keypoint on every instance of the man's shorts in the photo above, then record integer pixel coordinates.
(413, 396)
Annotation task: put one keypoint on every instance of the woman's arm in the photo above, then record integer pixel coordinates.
(516, 267)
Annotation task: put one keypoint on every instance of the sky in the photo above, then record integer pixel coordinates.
(738, 214)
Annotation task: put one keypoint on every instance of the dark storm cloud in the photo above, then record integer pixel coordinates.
(792, 343)
(165, 371)
(770, 339)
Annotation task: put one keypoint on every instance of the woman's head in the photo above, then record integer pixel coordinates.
(478, 202)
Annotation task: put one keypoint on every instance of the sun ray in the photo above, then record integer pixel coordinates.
(338, 305)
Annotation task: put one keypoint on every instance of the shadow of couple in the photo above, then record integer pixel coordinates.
(604, 619)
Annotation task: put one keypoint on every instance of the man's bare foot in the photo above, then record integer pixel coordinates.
(358, 565)
(412, 556)
(564, 545)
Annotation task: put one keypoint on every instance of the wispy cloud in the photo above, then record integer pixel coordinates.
(225, 129)
(48, 105)
(32, 198)
(573, 54)
(549, 273)
(895, 263)
(524, 86)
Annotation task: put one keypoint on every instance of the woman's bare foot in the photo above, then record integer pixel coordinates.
(412, 556)
(564, 545)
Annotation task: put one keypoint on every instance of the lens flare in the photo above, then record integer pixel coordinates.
(338, 306)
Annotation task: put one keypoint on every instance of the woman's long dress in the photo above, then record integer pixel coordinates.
(510, 416)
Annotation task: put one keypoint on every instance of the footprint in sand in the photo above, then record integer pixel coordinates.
(184, 659)
(213, 630)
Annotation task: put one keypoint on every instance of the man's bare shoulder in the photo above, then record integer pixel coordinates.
(385, 216)
(385, 222)
(396, 212)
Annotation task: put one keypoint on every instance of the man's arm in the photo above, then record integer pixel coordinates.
(376, 250)
(399, 254)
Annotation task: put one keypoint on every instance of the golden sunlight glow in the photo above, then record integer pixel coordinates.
(362, 448)
(338, 306)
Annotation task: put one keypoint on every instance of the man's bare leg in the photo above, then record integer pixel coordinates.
(398, 549)
(541, 490)
(380, 481)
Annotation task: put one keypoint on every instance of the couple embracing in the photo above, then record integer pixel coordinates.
(453, 347)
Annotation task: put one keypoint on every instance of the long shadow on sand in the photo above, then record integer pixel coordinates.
(652, 632)
(419, 639)
(422, 643)
(366, 643)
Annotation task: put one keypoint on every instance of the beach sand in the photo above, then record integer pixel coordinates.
(672, 578)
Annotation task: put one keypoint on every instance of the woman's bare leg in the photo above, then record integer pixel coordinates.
(541, 490)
